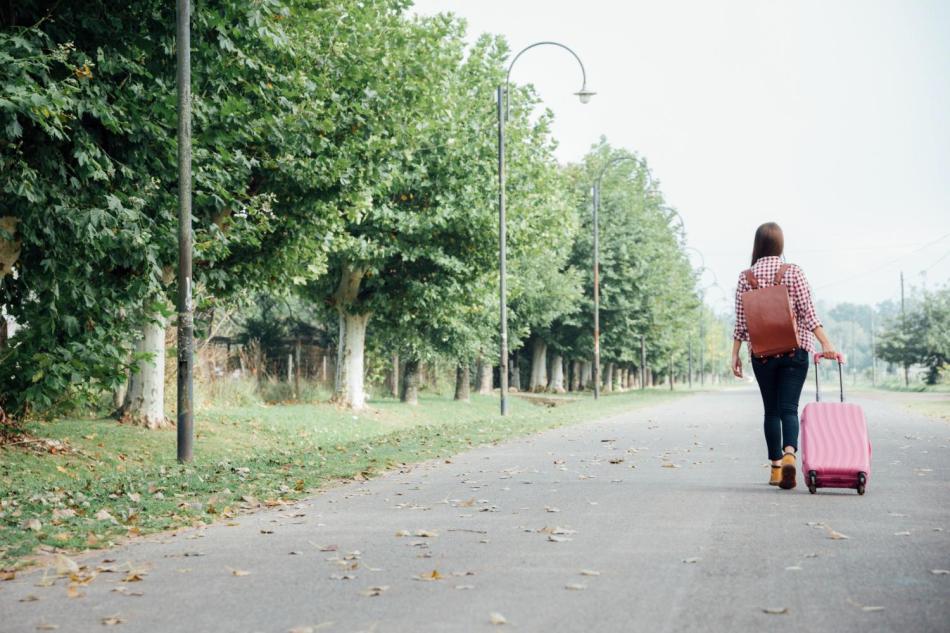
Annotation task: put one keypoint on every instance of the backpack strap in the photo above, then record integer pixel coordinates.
(751, 279)
(780, 273)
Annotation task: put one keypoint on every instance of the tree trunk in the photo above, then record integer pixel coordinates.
(394, 376)
(575, 375)
(586, 378)
(462, 377)
(556, 383)
(145, 398)
(609, 378)
(484, 376)
(348, 387)
(621, 379)
(539, 366)
(514, 379)
(410, 382)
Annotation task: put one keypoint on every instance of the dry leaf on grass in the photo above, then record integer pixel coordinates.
(775, 610)
(497, 618)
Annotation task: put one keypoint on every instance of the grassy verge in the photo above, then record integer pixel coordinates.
(113, 481)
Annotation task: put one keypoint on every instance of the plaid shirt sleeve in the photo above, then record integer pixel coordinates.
(805, 313)
(741, 330)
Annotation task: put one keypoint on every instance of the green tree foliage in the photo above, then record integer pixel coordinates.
(922, 336)
(89, 167)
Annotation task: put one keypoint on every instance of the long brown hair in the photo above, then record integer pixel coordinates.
(769, 242)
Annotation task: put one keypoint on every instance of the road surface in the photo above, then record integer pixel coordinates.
(655, 520)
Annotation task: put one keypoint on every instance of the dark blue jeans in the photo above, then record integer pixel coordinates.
(780, 383)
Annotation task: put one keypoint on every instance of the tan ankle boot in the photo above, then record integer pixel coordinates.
(788, 472)
(776, 477)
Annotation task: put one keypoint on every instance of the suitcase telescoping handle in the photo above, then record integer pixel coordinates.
(838, 357)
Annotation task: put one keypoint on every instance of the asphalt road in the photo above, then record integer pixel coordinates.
(657, 520)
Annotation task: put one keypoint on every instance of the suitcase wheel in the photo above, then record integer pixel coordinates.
(862, 482)
(813, 482)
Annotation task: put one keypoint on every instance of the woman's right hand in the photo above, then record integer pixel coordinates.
(829, 351)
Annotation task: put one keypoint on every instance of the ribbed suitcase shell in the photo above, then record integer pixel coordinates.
(835, 444)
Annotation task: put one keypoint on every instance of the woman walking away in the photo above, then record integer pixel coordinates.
(781, 330)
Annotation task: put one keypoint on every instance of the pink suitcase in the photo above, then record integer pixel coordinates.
(836, 451)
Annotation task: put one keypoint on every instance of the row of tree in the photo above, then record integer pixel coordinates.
(344, 153)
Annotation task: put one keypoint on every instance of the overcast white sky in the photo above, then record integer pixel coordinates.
(831, 117)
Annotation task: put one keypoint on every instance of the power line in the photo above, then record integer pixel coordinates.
(885, 265)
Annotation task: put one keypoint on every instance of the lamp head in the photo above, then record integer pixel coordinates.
(584, 94)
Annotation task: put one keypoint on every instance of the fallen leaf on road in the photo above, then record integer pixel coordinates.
(112, 620)
(793, 568)
(375, 591)
(575, 586)
(240, 572)
(426, 533)
(65, 565)
(670, 465)
(940, 572)
(693, 559)
(433, 575)
(29, 598)
(267, 531)
(904, 533)
(616, 460)
(46, 627)
(870, 608)
(837, 536)
(551, 509)
(589, 572)
(776, 610)
(72, 591)
(497, 618)
(464, 586)
(558, 539)
(342, 577)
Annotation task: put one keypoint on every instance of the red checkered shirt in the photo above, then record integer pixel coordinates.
(805, 316)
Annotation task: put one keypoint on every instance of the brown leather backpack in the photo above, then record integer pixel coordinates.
(770, 317)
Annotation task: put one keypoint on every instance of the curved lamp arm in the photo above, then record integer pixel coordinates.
(583, 94)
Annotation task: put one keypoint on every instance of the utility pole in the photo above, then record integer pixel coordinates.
(873, 352)
(904, 331)
(186, 328)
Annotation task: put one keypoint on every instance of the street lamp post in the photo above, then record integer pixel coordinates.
(596, 214)
(584, 95)
(186, 414)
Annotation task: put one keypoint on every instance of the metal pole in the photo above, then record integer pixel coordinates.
(702, 351)
(873, 352)
(903, 330)
(186, 418)
(596, 370)
(690, 373)
(643, 364)
(502, 285)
